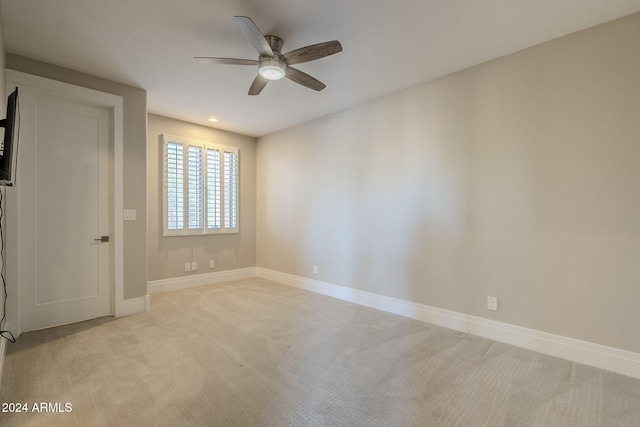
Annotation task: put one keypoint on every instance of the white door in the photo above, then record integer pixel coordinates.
(64, 204)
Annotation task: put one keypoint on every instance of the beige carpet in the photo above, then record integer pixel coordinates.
(256, 353)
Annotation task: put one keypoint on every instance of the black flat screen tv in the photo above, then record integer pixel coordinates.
(9, 144)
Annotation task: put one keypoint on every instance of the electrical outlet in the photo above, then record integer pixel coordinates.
(187, 266)
(492, 303)
(315, 269)
(194, 266)
(212, 263)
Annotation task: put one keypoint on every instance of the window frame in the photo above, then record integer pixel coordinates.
(226, 224)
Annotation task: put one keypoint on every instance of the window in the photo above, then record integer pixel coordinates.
(200, 187)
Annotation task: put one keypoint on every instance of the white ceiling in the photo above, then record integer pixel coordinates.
(388, 46)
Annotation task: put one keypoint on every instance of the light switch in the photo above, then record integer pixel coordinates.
(129, 214)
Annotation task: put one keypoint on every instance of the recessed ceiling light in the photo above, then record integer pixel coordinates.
(213, 119)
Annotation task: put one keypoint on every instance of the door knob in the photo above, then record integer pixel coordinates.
(103, 239)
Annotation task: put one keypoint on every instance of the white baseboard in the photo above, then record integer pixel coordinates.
(599, 356)
(133, 306)
(163, 285)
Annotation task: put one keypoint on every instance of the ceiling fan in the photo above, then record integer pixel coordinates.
(272, 64)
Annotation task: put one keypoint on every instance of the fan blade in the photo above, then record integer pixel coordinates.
(231, 61)
(255, 36)
(309, 53)
(258, 84)
(304, 79)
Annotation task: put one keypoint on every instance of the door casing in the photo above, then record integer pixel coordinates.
(112, 102)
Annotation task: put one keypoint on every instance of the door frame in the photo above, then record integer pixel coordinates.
(114, 104)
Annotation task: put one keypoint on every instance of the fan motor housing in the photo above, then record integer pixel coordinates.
(275, 42)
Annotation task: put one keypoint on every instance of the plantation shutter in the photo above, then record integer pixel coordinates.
(174, 186)
(213, 189)
(195, 187)
(230, 189)
(201, 186)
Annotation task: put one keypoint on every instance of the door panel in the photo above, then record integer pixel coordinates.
(64, 207)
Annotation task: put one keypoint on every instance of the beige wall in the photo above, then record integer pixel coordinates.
(135, 155)
(518, 178)
(167, 255)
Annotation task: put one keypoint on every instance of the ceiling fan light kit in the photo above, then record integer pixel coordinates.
(272, 69)
(273, 65)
